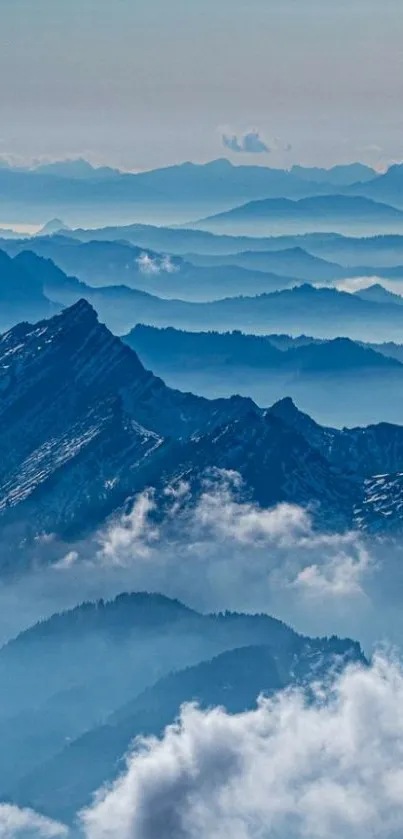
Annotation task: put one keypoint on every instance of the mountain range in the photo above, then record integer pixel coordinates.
(84, 426)
(297, 308)
(338, 381)
(100, 263)
(387, 188)
(20, 294)
(290, 262)
(174, 348)
(347, 175)
(85, 194)
(80, 192)
(377, 293)
(297, 262)
(76, 401)
(347, 252)
(334, 213)
(321, 312)
(198, 278)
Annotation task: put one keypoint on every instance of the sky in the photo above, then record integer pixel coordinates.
(145, 83)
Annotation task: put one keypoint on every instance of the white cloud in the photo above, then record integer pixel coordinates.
(281, 539)
(353, 284)
(152, 265)
(16, 823)
(67, 561)
(328, 770)
(221, 551)
(341, 576)
(130, 536)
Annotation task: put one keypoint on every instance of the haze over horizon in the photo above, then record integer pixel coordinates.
(106, 82)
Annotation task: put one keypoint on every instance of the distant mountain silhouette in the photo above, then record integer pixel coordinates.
(339, 381)
(54, 226)
(8, 233)
(386, 188)
(77, 169)
(100, 263)
(389, 349)
(346, 251)
(222, 181)
(21, 296)
(291, 262)
(377, 251)
(55, 284)
(182, 241)
(378, 294)
(171, 348)
(337, 175)
(340, 354)
(331, 212)
(320, 312)
(197, 277)
(74, 189)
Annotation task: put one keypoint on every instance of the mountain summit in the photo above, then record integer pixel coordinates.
(79, 419)
(84, 426)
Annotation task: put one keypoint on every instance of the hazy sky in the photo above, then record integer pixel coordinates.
(141, 83)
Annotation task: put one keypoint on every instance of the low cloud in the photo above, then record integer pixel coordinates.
(278, 545)
(23, 824)
(221, 551)
(322, 764)
(353, 284)
(321, 770)
(218, 550)
(153, 265)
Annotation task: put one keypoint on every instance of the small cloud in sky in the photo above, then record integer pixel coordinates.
(249, 143)
(252, 142)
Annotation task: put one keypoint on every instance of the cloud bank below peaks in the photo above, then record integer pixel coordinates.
(324, 767)
(214, 549)
(331, 769)
(218, 551)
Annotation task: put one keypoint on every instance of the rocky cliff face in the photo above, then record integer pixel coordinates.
(278, 464)
(363, 451)
(84, 426)
(79, 419)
